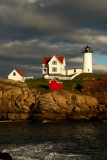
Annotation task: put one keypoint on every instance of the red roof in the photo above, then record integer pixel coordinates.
(47, 59)
(54, 85)
(19, 73)
(54, 80)
(60, 59)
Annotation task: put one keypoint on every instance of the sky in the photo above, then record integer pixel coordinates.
(33, 29)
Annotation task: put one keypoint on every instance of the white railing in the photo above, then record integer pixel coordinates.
(62, 78)
(75, 75)
(28, 77)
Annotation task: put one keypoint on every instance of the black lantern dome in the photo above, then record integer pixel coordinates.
(87, 49)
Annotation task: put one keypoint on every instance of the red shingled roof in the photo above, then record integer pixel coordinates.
(60, 59)
(47, 59)
(19, 73)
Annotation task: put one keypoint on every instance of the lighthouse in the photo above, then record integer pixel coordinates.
(87, 60)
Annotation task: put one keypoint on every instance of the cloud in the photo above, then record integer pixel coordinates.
(58, 16)
(32, 29)
(36, 49)
(75, 60)
(31, 1)
(100, 68)
(65, 21)
(30, 67)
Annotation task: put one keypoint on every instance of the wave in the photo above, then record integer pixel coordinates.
(6, 121)
(41, 152)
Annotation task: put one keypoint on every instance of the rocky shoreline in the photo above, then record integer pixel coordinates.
(18, 102)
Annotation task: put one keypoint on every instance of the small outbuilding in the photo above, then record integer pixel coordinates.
(16, 75)
(55, 85)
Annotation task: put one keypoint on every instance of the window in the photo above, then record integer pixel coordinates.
(44, 70)
(54, 69)
(54, 62)
(14, 73)
(74, 70)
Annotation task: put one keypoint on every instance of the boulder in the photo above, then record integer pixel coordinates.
(5, 156)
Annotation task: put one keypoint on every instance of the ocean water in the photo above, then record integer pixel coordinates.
(63, 141)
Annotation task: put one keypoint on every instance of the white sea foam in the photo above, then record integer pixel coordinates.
(13, 121)
(56, 156)
(5, 121)
(40, 152)
(23, 158)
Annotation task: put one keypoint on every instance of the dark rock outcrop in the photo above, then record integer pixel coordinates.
(22, 103)
(5, 156)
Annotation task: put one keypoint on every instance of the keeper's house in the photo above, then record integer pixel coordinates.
(53, 65)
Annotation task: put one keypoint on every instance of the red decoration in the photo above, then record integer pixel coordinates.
(54, 85)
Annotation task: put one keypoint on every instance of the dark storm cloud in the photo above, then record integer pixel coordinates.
(51, 19)
(32, 29)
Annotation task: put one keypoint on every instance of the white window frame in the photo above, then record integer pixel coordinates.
(54, 62)
(54, 69)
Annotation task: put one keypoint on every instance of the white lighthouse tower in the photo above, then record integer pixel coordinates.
(87, 60)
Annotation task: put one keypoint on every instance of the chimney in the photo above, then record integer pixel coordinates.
(56, 55)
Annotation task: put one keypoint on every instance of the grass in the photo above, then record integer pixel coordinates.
(40, 84)
(69, 85)
(94, 75)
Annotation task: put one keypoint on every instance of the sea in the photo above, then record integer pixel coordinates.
(27, 140)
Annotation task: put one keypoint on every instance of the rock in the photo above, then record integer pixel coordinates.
(78, 117)
(26, 108)
(58, 97)
(18, 116)
(5, 156)
(3, 116)
(7, 94)
(21, 103)
(12, 116)
(57, 106)
(101, 108)
(1, 93)
(22, 97)
(30, 100)
(24, 116)
(76, 109)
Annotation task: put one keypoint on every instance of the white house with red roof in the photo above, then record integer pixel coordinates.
(53, 65)
(16, 75)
